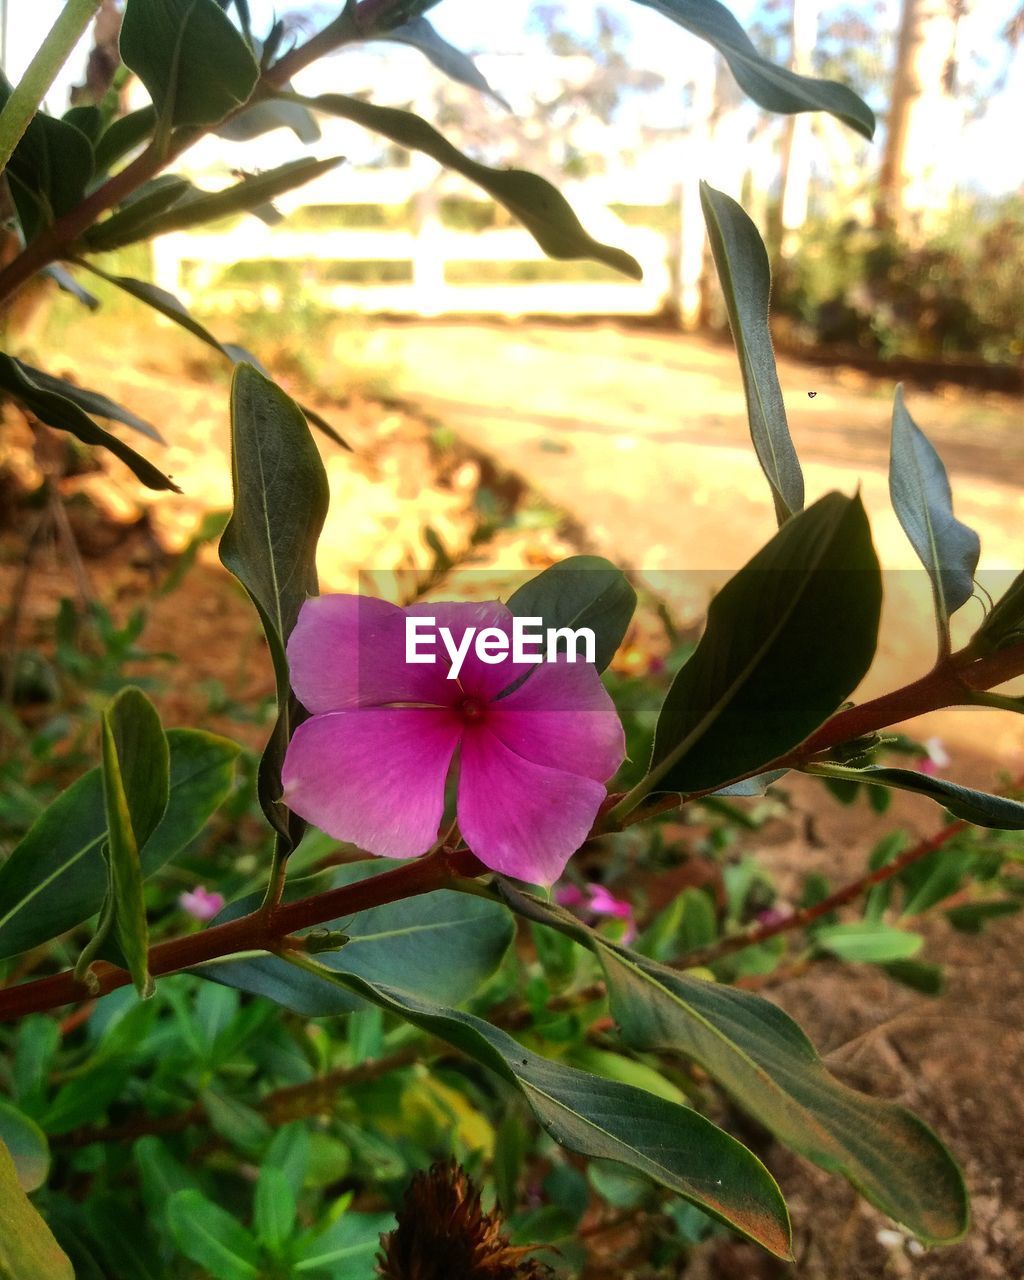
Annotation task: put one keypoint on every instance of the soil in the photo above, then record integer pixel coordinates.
(629, 442)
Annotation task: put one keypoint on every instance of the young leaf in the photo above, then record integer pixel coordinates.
(532, 200)
(583, 591)
(769, 1067)
(443, 945)
(190, 57)
(868, 942)
(136, 787)
(62, 413)
(211, 1238)
(456, 65)
(152, 199)
(28, 1250)
(123, 135)
(273, 1209)
(27, 1145)
(978, 807)
(347, 1248)
(787, 640)
(771, 87)
(1005, 622)
(603, 1119)
(281, 498)
(55, 878)
(923, 503)
(742, 265)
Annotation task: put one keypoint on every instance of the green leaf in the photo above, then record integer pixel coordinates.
(289, 1153)
(583, 591)
(443, 944)
(787, 640)
(211, 1238)
(456, 65)
(93, 402)
(769, 1067)
(868, 942)
(979, 807)
(192, 207)
(64, 414)
(771, 87)
(742, 264)
(530, 199)
(923, 502)
(604, 1119)
(149, 201)
(170, 307)
(917, 975)
(28, 1250)
(273, 1209)
(973, 916)
(192, 60)
(1005, 622)
(136, 787)
(123, 135)
(281, 498)
(348, 1247)
(26, 1143)
(55, 877)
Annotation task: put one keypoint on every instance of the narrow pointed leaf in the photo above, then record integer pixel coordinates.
(923, 503)
(603, 1119)
(136, 787)
(787, 640)
(194, 63)
(28, 1250)
(63, 414)
(121, 227)
(771, 87)
(210, 1237)
(583, 591)
(1004, 624)
(443, 946)
(742, 264)
(770, 1069)
(456, 65)
(93, 402)
(281, 497)
(55, 877)
(978, 807)
(532, 200)
(67, 283)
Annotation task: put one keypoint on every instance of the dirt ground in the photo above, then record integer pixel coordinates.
(639, 438)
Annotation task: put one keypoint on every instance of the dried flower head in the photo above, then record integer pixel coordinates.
(443, 1234)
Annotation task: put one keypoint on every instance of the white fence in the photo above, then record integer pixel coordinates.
(194, 263)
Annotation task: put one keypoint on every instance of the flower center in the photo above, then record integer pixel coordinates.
(472, 709)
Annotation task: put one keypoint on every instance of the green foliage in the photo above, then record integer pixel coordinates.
(28, 1250)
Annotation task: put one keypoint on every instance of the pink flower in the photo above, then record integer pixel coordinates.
(597, 901)
(536, 742)
(935, 758)
(200, 904)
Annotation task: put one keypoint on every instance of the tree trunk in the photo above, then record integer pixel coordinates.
(917, 176)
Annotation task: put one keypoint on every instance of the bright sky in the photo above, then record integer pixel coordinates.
(988, 162)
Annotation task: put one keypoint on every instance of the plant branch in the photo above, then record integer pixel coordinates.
(268, 931)
(28, 94)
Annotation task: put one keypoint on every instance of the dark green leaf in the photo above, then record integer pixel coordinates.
(923, 502)
(136, 787)
(1005, 622)
(64, 414)
(28, 1250)
(771, 87)
(27, 1146)
(742, 264)
(787, 640)
(192, 207)
(973, 916)
(530, 199)
(211, 1238)
(151, 200)
(978, 807)
(455, 64)
(603, 1119)
(281, 498)
(583, 591)
(917, 975)
(92, 402)
(87, 119)
(123, 135)
(55, 878)
(192, 60)
(868, 942)
(770, 1068)
(348, 1247)
(444, 945)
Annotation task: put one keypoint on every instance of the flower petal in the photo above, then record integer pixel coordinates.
(562, 716)
(374, 777)
(349, 651)
(520, 818)
(476, 677)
